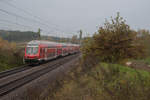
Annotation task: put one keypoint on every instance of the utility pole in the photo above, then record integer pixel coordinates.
(80, 37)
(39, 34)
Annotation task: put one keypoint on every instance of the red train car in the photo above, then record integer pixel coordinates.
(38, 51)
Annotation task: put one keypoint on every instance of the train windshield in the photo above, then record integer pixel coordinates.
(32, 50)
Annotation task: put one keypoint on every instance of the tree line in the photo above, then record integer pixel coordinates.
(18, 35)
(25, 36)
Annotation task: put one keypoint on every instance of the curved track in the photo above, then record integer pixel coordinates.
(12, 85)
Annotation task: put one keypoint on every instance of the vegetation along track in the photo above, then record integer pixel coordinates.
(13, 71)
(9, 87)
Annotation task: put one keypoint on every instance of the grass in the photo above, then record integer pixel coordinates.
(145, 60)
(106, 82)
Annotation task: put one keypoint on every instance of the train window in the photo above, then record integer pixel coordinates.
(35, 50)
(51, 54)
(32, 50)
(28, 50)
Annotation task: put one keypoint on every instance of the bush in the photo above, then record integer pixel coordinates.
(106, 82)
(10, 56)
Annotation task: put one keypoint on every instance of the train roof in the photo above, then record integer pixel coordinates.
(37, 42)
(42, 42)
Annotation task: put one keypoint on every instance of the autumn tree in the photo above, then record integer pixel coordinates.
(143, 37)
(74, 39)
(113, 42)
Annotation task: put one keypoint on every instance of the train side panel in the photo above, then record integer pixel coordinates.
(37, 51)
(51, 53)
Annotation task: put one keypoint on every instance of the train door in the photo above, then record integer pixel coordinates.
(45, 53)
(41, 54)
(56, 52)
(59, 51)
(63, 51)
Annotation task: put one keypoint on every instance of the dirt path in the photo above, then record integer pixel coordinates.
(140, 65)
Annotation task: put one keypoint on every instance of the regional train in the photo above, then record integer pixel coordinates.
(37, 51)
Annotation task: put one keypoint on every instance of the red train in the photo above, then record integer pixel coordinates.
(38, 51)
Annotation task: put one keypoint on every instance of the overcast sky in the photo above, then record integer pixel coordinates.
(68, 16)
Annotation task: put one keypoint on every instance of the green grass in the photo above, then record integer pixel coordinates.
(145, 60)
(125, 70)
(127, 73)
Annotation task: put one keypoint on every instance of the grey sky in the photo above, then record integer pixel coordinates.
(68, 16)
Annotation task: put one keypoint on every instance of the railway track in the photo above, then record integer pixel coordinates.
(12, 85)
(13, 71)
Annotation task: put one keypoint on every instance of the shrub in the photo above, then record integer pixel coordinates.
(106, 82)
(10, 56)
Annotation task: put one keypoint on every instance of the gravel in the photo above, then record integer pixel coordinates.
(33, 89)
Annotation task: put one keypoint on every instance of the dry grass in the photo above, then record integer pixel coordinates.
(105, 82)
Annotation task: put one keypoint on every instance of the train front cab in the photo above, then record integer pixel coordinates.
(31, 54)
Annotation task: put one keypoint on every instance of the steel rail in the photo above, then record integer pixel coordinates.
(13, 71)
(11, 86)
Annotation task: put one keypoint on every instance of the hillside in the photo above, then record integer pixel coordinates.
(114, 66)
